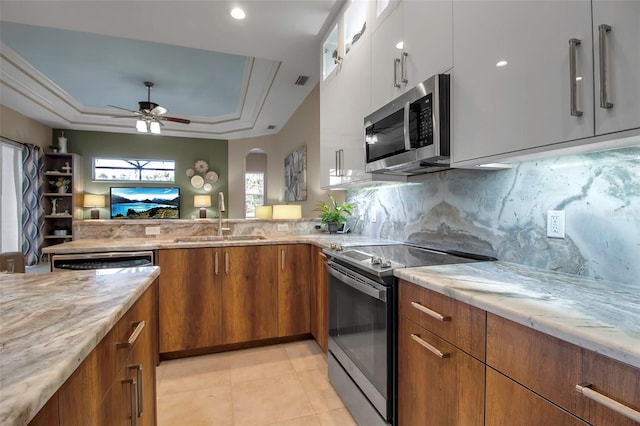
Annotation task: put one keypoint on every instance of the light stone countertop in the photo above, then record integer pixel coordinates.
(50, 323)
(598, 315)
(165, 242)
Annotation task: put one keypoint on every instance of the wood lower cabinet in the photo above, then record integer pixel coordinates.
(437, 389)
(249, 293)
(293, 289)
(546, 365)
(190, 298)
(320, 299)
(614, 380)
(509, 403)
(116, 383)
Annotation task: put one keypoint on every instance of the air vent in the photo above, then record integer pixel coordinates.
(271, 127)
(302, 80)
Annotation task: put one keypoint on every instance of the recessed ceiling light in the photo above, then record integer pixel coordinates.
(501, 64)
(237, 13)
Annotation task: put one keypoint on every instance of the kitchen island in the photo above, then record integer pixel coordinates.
(50, 323)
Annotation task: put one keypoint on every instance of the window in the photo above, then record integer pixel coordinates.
(130, 170)
(10, 197)
(254, 192)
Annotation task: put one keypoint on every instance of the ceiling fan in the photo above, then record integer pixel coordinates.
(150, 115)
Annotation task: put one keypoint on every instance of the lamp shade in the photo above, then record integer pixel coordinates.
(93, 200)
(202, 200)
(287, 211)
(264, 212)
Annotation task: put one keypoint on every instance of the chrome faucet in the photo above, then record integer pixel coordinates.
(221, 209)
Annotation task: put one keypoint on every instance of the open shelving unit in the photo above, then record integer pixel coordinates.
(62, 197)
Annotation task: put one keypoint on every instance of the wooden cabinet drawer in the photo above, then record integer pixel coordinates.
(462, 325)
(544, 364)
(614, 380)
(81, 395)
(434, 390)
(509, 403)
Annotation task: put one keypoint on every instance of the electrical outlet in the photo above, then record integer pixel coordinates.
(152, 230)
(374, 219)
(555, 223)
(361, 216)
(282, 227)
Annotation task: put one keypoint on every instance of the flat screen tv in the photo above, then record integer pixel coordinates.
(145, 203)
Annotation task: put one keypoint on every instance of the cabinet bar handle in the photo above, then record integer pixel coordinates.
(133, 384)
(396, 62)
(338, 163)
(140, 393)
(433, 350)
(284, 252)
(432, 314)
(602, 42)
(403, 67)
(585, 389)
(215, 264)
(573, 74)
(134, 336)
(226, 262)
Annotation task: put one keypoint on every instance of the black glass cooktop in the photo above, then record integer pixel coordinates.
(382, 259)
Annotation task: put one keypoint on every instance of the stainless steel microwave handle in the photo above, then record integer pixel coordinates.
(603, 29)
(573, 74)
(407, 133)
(396, 63)
(361, 287)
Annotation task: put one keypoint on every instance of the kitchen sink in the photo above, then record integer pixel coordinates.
(203, 238)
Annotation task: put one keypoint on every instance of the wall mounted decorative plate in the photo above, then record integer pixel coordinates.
(211, 177)
(190, 172)
(201, 166)
(197, 181)
(207, 187)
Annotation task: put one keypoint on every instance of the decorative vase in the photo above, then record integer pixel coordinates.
(332, 227)
(62, 189)
(62, 143)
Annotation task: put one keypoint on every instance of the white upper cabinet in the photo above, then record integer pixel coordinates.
(523, 80)
(616, 35)
(513, 80)
(412, 43)
(345, 98)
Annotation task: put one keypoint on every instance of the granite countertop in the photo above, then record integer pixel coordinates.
(170, 242)
(598, 315)
(50, 323)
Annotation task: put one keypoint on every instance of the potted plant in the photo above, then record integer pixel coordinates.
(334, 214)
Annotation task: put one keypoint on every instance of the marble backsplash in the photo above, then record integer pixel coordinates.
(503, 213)
(89, 229)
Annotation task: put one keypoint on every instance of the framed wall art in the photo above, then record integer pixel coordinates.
(295, 175)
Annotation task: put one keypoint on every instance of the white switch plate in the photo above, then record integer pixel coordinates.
(282, 227)
(555, 223)
(152, 230)
(374, 219)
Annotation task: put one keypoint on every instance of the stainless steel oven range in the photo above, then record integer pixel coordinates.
(363, 317)
(86, 261)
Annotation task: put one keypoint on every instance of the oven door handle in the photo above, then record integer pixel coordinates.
(360, 286)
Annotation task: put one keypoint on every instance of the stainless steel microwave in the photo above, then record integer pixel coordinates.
(411, 134)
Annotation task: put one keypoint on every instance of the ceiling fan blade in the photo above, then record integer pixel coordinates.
(158, 110)
(125, 116)
(125, 109)
(175, 119)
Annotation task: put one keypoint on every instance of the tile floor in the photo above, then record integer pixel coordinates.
(274, 385)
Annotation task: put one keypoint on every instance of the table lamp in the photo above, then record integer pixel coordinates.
(287, 211)
(202, 201)
(94, 201)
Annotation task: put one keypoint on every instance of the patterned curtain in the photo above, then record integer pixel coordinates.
(32, 212)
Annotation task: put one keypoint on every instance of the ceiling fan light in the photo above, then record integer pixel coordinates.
(155, 127)
(141, 126)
